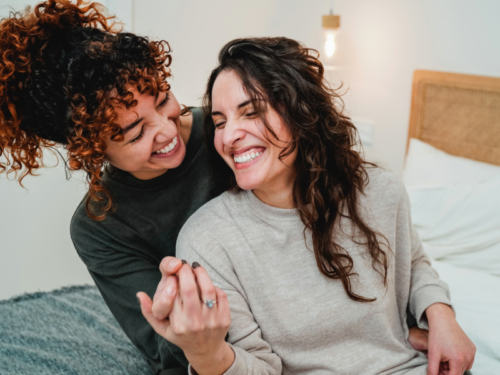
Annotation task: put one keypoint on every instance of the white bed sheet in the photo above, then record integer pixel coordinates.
(458, 223)
(476, 299)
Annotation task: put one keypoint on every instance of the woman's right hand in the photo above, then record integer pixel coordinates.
(165, 294)
(193, 326)
(156, 311)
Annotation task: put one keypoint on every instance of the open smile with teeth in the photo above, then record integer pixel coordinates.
(246, 158)
(168, 147)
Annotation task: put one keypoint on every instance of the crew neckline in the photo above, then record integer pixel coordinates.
(192, 147)
(267, 212)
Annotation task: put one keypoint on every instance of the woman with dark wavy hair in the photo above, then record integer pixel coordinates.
(309, 261)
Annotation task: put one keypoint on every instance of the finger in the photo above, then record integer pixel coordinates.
(457, 367)
(471, 363)
(170, 266)
(207, 288)
(188, 290)
(444, 368)
(177, 321)
(164, 298)
(160, 326)
(223, 307)
(434, 362)
(160, 288)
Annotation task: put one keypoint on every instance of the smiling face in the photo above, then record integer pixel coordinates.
(152, 143)
(245, 144)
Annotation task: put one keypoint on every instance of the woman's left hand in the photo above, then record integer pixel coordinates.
(448, 343)
(419, 339)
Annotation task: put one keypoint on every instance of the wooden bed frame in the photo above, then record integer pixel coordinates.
(457, 113)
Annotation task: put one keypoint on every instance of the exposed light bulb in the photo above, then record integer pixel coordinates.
(330, 45)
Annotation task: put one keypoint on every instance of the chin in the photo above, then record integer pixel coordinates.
(247, 182)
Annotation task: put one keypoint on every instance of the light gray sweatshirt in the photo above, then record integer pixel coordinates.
(287, 318)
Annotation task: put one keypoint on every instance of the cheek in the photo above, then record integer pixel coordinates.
(219, 146)
(174, 109)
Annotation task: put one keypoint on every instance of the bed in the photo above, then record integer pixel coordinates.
(452, 174)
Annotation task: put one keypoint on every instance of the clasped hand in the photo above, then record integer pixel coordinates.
(178, 313)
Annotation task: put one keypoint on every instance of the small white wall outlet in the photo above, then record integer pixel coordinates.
(366, 130)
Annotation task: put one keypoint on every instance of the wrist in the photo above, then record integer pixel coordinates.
(438, 311)
(215, 362)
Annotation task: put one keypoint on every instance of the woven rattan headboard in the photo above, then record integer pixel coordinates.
(457, 113)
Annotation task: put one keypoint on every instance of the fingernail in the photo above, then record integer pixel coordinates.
(196, 264)
(138, 300)
(171, 290)
(184, 262)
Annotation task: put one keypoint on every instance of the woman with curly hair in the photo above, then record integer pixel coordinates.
(312, 248)
(69, 77)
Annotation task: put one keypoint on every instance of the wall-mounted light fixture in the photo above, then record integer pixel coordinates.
(331, 23)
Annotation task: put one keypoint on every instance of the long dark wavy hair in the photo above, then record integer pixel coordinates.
(64, 66)
(330, 173)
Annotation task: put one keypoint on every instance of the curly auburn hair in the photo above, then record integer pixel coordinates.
(64, 65)
(330, 173)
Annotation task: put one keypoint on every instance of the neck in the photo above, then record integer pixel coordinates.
(277, 195)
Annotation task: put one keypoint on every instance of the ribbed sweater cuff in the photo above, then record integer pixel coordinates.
(425, 297)
(239, 365)
(231, 370)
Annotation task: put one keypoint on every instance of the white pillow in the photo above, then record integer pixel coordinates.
(455, 206)
(427, 166)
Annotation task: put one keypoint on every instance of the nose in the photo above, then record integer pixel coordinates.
(166, 130)
(233, 132)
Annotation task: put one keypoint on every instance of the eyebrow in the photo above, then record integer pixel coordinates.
(241, 105)
(129, 127)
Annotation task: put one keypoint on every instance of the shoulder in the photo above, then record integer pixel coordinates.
(383, 181)
(211, 226)
(79, 222)
(209, 218)
(86, 233)
(383, 188)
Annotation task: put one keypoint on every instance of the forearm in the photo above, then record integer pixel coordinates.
(216, 362)
(426, 288)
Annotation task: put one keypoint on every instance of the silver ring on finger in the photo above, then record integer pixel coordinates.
(210, 303)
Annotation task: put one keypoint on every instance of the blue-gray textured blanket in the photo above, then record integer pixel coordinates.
(67, 331)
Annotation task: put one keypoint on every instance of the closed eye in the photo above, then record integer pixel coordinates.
(164, 101)
(138, 137)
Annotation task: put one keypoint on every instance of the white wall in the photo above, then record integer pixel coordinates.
(380, 44)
